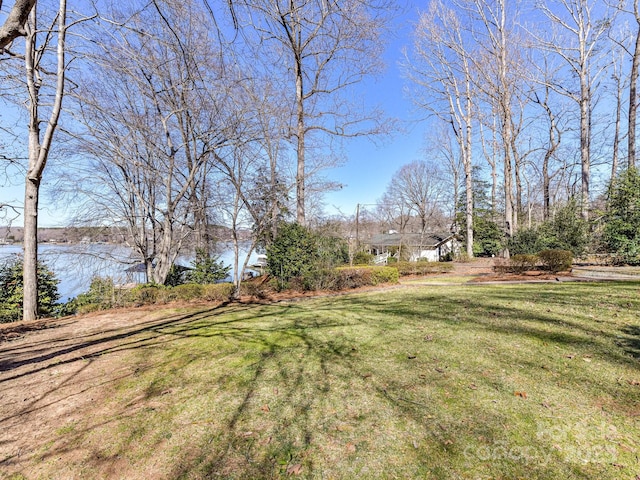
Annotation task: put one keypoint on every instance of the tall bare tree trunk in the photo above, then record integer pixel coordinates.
(38, 152)
(468, 170)
(300, 173)
(633, 93)
(576, 19)
(30, 245)
(585, 141)
(616, 135)
(468, 186)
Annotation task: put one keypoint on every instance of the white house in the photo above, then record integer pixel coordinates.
(430, 246)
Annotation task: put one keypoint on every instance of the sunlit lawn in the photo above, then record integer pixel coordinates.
(477, 382)
(437, 279)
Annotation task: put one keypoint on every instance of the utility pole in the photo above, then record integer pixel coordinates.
(357, 227)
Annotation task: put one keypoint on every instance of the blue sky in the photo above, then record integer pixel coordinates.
(369, 165)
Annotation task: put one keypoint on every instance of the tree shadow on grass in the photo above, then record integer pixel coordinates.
(630, 342)
(308, 351)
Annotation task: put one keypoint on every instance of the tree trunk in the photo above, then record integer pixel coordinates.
(633, 100)
(468, 164)
(469, 207)
(546, 186)
(275, 207)
(300, 174)
(38, 152)
(585, 137)
(518, 179)
(167, 252)
(30, 266)
(616, 134)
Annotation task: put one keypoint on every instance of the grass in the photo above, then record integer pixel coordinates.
(501, 381)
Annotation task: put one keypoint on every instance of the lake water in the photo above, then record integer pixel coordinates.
(75, 265)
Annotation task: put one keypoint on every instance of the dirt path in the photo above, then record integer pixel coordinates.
(56, 374)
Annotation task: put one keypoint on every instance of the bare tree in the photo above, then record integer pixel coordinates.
(393, 211)
(490, 153)
(322, 48)
(553, 142)
(154, 115)
(39, 141)
(619, 85)
(627, 39)
(577, 30)
(250, 188)
(441, 69)
(441, 148)
(500, 66)
(417, 189)
(633, 88)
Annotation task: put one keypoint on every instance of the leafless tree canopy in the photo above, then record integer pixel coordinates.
(319, 50)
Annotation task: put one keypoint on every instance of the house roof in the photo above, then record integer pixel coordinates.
(424, 240)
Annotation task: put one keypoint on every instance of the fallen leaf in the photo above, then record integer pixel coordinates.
(415, 444)
(570, 357)
(473, 386)
(448, 442)
(247, 434)
(587, 359)
(428, 338)
(635, 383)
(520, 394)
(294, 469)
(265, 408)
(439, 370)
(351, 448)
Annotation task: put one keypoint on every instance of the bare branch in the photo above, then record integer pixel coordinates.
(14, 25)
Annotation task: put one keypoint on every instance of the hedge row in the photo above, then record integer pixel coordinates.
(341, 278)
(150, 295)
(366, 275)
(155, 294)
(550, 260)
(422, 268)
(104, 295)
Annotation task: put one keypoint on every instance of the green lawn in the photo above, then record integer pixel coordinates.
(473, 382)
